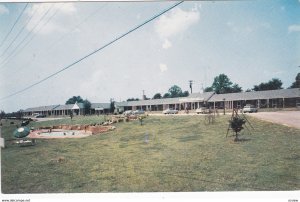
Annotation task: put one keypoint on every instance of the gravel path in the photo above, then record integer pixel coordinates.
(287, 118)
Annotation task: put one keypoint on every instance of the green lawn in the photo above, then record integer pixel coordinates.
(181, 154)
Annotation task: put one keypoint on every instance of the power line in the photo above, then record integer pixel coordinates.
(32, 37)
(28, 34)
(76, 26)
(17, 20)
(22, 29)
(95, 51)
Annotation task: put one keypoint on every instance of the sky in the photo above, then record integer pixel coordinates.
(249, 41)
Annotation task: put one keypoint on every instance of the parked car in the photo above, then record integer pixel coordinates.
(249, 109)
(170, 111)
(202, 110)
(128, 112)
(40, 116)
(138, 112)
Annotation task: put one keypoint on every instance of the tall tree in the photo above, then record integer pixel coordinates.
(185, 94)
(175, 91)
(296, 84)
(208, 89)
(112, 105)
(87, 106)
(273, 84)
(133, 99)
(74, 99)
(222, 84)
(236, 88)
(157, 96)
(167, 95)
(2, 114)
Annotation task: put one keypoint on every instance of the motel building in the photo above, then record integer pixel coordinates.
(65, 110)
(283, 98)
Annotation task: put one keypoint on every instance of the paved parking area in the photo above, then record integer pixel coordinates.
(48, 119)
(287, 118)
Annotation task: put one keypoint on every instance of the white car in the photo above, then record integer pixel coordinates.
(170, 111)
(202, 110)
(128, 112)
(249, 109)
(138, 112)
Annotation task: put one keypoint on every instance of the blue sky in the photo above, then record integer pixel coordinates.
(250, 41)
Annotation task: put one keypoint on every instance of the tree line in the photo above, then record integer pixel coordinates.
(174, 91)
(222, 84)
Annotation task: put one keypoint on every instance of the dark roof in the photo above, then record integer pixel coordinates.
(195, 97)
(41, 108)
(255, 95)
(100, 105)
(148, 102)
(198, 97)
(64, 107)
(122, 104)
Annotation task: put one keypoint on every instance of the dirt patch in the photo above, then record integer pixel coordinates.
(69, 131)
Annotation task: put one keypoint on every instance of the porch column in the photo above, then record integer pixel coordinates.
(258, 103)
(268, 103)
(282, 102)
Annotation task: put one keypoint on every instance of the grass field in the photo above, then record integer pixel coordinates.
(181, 153)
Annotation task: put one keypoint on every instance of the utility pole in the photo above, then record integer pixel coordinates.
(144, 97)
(191, 85)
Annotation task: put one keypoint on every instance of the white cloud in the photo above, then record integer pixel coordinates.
(163, 67)
(265, 25)
(91, 88)
(294, 28)
(39, 10)
(66, 8)
(242, 30)
(3, 10)
(138, 16)
(176, 22)
(167, 44)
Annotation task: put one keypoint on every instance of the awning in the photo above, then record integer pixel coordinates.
(100, 109)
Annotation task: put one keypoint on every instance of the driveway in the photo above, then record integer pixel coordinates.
(287, 118)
